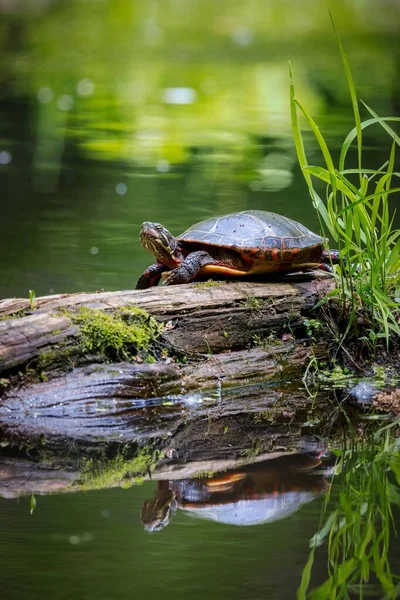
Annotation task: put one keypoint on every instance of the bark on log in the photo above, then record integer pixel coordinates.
(110, 405)
(222, 317)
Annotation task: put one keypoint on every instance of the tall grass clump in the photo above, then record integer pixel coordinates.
(357, 523)
(357, 215)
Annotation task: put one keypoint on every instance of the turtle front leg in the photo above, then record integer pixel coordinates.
(190, 267)
(151, 276)
(328, 258)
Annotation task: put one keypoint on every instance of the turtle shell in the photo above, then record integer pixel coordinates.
(251, 229)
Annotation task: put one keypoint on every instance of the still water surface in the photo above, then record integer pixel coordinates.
(94, 546)
(223, 538)
(242, 533)
(113, 113)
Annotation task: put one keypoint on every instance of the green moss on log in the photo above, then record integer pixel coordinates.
(120, 335)
(202, 285)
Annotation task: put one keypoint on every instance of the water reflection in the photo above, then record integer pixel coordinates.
(357, 522)
(250, 495)
(354, 550)
(178, 111)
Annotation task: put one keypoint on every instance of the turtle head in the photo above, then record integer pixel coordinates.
(156, 514)
(161, 243)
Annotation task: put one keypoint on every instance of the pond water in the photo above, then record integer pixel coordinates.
(93, 545)
(116, 112)
(241, 533)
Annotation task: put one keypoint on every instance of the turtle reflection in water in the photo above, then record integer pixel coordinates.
(251, 495)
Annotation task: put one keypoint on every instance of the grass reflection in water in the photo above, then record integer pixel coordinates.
(358, 527)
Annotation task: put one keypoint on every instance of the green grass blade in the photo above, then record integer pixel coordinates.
(368, 172)
(323, 213)
(385, 126)
(394, 255)
(298, 138)
(370, 197)
(353, 134)
(322, 144)
(340, 183)
(353, 95)
(306, 576)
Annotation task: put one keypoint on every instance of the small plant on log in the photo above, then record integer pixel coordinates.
(313, 327)
(253, 303)
(357, 215)
(32, 298)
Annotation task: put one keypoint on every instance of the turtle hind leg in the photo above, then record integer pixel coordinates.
(151, 276)
(332, 257)
(325, 267)
(190, 267)
(329, 258)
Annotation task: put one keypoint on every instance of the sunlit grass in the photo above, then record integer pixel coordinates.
(357, 215)
(357, 523)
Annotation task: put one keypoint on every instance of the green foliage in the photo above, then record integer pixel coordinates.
(357, 531)
(334, 374)
(119, 335)
(266, 341)
(313, 326)
(357, 216)
(253, 303)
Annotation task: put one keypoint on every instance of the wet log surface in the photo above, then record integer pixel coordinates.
(229, 399)
(122, 401)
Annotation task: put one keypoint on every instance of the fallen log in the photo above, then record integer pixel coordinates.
(62, 398)
(200, 319)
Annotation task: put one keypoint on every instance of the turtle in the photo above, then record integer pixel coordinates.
(235, 245)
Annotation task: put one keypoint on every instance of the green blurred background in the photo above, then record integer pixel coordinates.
(117, 111)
